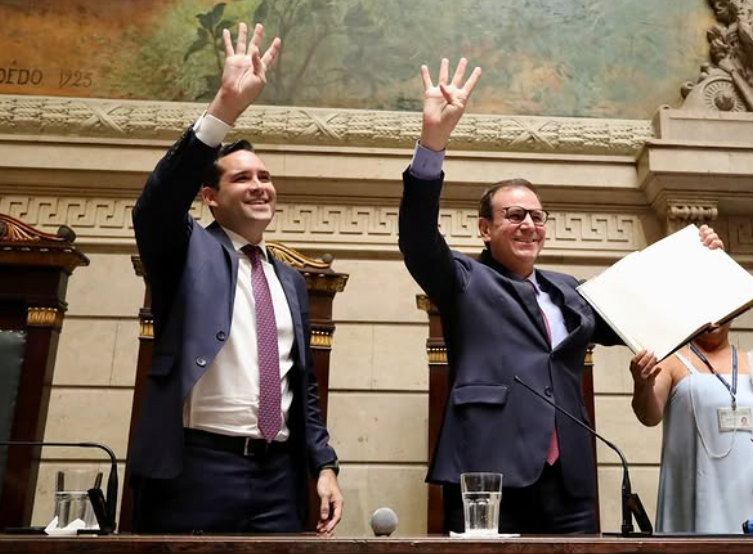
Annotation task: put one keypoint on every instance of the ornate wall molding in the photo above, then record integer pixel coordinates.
(740, 236)
(122, 119)
(44, 317)
(683, 213)
(321, 339)
(108, 222)
(146, 328)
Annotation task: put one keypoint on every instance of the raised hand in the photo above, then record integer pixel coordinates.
(644, 368)
(244, 74)
(445, 102)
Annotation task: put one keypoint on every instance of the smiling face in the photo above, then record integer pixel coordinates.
(514, 245)
(245, 198)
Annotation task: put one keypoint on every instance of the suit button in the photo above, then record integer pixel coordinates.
(221, 336)
(201, 362)
(548, 391)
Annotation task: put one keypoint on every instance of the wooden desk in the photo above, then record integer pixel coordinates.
(179, 544)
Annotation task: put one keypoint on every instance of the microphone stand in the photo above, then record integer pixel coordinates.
(104, 508)
(631, 503)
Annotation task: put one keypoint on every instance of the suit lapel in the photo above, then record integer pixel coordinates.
(231, 256)
(527, 296)
(288, 286)
(562, 296)
(523, 291)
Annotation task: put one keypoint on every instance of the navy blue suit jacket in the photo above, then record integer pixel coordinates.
(493, 331)
(192, 272)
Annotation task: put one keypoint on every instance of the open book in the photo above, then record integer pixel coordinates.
(661, 297)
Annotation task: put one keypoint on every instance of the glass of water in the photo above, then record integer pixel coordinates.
(72, 496)
(482, 493)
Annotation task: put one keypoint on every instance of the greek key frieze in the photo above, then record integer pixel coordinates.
(110, 219)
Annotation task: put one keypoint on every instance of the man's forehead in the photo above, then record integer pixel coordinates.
(515, 196)
(242, 160)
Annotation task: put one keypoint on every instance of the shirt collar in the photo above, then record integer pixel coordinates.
(532, 277)
(239, 242)
(486, 258)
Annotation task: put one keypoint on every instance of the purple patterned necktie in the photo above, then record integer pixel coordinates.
(270, 417)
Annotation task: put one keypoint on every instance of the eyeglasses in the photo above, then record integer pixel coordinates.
(517, 214)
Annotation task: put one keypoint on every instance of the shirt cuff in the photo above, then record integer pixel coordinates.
(210, 130)
(426, 164)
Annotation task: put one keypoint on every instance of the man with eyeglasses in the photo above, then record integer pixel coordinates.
(501, 317)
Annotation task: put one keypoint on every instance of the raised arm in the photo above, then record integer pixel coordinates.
(426, 254)
(161, 220)
(161, 213)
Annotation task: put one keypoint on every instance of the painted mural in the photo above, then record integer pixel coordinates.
(594, 58)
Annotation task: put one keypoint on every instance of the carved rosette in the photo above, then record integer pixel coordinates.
(715, 92)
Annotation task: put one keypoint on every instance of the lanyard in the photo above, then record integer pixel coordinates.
(731, 388)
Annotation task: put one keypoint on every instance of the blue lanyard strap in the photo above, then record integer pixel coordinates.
(731, 388)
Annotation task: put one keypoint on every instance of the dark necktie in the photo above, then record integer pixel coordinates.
(269, 416)
(554, 444)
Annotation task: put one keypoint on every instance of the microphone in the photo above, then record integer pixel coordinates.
(104, 508)
(631, 503)
(383, 522)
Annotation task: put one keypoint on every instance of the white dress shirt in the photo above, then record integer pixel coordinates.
(226, 398)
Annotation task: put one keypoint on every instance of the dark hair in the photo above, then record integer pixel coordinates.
(213, 174)
(485, 204)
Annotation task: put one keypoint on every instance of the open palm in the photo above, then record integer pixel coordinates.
(245, 72)
(445, 102)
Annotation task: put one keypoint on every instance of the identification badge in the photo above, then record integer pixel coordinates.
(730, 420)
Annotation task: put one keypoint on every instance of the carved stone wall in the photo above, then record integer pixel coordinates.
(34, 115)
(327, 227)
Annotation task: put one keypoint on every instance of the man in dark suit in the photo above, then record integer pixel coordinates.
(230, 420)
(502, 317)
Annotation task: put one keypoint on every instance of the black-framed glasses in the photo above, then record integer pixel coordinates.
(517, 214)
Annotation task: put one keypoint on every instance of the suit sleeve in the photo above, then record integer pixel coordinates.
(317, 438)
(161, 221)
(425, 251)
(604, 334)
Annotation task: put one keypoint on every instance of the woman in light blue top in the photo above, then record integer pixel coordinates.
(704, 396)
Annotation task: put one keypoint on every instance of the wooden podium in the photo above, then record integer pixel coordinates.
(436, 353)
(322, 283)
(128, 544)
(34, 271)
